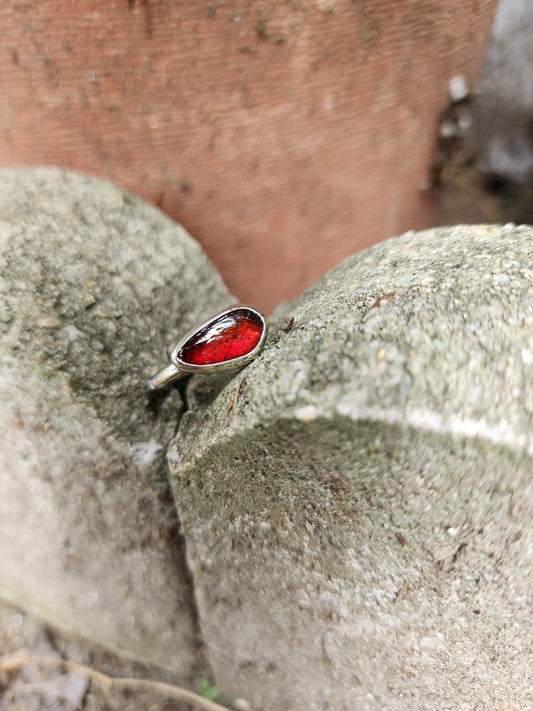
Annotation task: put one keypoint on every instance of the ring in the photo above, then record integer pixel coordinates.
(229, 339)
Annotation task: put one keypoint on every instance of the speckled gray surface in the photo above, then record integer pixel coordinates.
(94, 285)
(358, 502)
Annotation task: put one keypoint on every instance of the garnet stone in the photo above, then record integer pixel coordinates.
(232, 335)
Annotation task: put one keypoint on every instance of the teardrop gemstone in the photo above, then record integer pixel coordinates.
(230, 336)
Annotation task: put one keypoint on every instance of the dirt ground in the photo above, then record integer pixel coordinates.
(41, 687)
(466, 195)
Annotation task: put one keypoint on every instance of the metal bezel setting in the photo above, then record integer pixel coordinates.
(178, 369)
(226, 365)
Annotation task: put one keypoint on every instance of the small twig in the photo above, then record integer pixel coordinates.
(21, 659)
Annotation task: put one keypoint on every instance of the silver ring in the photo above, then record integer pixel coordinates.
(228, 340)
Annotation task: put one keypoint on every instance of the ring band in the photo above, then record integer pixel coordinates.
(230, 339)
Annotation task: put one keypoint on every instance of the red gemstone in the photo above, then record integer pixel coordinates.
(230, 336)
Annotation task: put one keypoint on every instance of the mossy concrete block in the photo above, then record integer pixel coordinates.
(94, 286)
(358, 501)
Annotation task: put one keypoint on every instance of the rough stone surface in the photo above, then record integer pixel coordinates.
(358, 502)
(94, 286)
